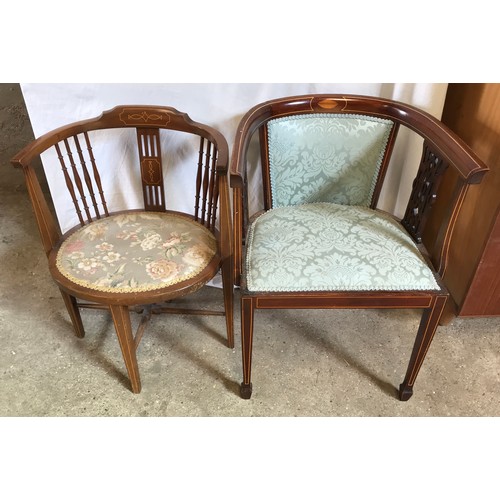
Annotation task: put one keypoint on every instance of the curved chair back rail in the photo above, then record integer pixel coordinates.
(137, 116)
(316, 245)
(73, 147)
(442, 149)
(134, 258)
(439, 136)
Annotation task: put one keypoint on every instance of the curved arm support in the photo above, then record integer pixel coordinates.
(49, 232)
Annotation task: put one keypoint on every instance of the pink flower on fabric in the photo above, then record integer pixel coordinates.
(75, 246)
(198, 255)
(174, 240)
(163, 269)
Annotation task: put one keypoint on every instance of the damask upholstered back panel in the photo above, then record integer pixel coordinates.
(326, 158)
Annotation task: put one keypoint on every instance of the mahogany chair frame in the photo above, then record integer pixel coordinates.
(442, 149)
(212, 203)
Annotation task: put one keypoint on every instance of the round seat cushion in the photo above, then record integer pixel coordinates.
(136, 251)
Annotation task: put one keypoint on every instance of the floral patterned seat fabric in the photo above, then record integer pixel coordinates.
(332, 247)
(137, 251)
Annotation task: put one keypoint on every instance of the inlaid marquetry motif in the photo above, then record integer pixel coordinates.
(151, 171)
(148, 140)
(132, 116)
(328, 104)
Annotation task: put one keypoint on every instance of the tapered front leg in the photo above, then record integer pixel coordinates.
(74, 313)
(247, 311)
(228, 291)
(426, 331)
(121, 319)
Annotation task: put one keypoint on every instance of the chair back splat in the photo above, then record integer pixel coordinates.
(321, 241)
(148, 141)
(133, 259)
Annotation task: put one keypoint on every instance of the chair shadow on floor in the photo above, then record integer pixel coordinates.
(198, 325)
(325, 342)
(93, 345)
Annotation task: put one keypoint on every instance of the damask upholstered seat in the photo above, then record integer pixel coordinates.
(137, 259)
(331, 247)
(320, 240)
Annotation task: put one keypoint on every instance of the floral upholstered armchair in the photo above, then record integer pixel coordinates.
(320, 241)
(133, 259)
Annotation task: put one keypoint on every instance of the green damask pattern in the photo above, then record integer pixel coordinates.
(331, 247)
(328, 157)
(137, 251)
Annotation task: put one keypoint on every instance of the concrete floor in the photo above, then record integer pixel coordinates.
(306, 363)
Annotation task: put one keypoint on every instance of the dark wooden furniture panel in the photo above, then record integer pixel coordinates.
(472, 111)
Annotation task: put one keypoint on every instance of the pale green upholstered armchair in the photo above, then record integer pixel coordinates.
(320, 241)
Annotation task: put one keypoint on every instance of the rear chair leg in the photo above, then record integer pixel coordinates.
(426, 331)
(121, 319)
(247, 310)
(228, 291)
(74, 313)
